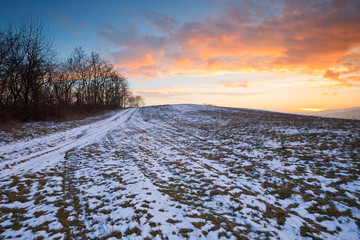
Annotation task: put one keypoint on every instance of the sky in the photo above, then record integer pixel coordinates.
(287, 56)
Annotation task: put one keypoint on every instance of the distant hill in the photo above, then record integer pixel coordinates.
(347, 113)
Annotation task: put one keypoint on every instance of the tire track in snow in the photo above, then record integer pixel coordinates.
(184, 178)
(214, 166)
(135, 166)
(196, 161)
(56, 138)
(78, 137)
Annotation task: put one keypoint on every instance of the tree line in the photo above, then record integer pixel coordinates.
(35, 85)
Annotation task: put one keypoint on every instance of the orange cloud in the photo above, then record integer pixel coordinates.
(331, 75)
(313, 37)
(184, 63)
(234, 84)
(330, 94)
(145, 72)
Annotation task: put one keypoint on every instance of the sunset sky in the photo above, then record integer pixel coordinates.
(273, 55)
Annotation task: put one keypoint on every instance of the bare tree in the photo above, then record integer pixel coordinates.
(26, 63)
(35, 60)
(3, 69)
(97, 83)
(134, 101)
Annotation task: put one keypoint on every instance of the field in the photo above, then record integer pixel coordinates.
(182, 172)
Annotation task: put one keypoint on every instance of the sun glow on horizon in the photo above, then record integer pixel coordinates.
(310, 109)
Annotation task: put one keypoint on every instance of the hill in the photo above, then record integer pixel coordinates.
(179, 172)
(346, 113)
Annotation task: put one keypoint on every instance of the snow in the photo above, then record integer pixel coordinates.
(181, 171)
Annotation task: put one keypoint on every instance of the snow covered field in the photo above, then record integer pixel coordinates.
(182, 171)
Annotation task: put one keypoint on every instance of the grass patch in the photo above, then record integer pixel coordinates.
(154, 233)
(134, 230)
(275, 212)
(172, 221)
(185, 232)
(198, 225)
